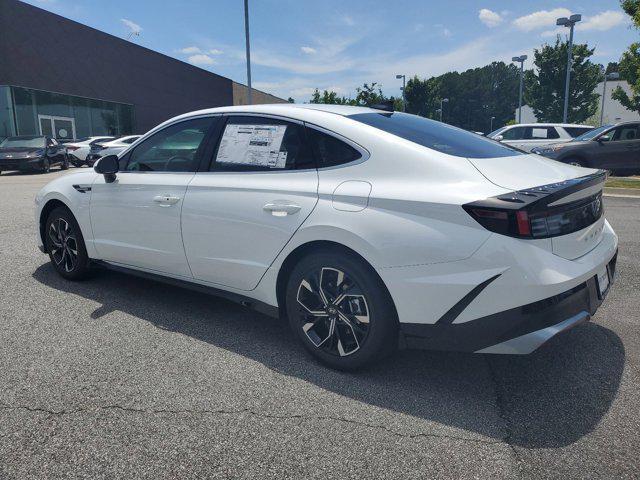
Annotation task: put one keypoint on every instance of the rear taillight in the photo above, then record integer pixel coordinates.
(542, 212)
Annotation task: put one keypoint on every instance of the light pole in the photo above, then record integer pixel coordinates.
(491, 124)
(568, 22)
(610, 76)
(404, 85)
(520, 59)
(246, 34)
(442, 102)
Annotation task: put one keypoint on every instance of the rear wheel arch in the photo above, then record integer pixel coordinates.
(305, 249)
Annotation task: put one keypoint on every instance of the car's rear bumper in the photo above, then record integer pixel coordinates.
(519, 330)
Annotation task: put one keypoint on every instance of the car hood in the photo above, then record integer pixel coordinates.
(525, 171)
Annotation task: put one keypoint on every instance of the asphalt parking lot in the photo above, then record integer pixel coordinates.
(119, 377)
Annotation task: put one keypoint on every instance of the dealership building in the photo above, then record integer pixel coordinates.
(61, 78)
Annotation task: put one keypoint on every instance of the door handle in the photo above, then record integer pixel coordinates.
(281, 209)
(166, 200)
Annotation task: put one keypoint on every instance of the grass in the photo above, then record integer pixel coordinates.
(618, 182)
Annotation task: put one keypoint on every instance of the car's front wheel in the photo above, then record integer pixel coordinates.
(46, 166)
(65, 245)
(340, 310)
(65, 163)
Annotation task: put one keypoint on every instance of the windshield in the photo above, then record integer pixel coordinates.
(437, 136)
(23, 142)
(592, 133)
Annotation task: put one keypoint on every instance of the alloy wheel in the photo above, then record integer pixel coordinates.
(333, 311)
(64, 245)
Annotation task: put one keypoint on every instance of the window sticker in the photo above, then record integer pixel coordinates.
(539, 133)
(253, 145)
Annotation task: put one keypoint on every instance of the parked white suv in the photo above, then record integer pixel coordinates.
(531, 135)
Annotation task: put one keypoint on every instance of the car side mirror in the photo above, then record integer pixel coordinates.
(108, 166)
(498, 138)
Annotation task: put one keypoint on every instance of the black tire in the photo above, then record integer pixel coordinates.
(46, 166)
(65, 163)
(62, 233)
(372, 331)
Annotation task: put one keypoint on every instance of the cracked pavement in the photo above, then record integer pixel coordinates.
(119, 377)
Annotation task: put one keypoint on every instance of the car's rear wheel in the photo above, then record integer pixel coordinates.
(340, 310)
(65, 245)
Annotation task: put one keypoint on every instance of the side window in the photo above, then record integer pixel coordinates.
(172, 149)
(329, 150)
(541, 133)
(129, 141)
(516, 133)
(625, 133)
(253, 144)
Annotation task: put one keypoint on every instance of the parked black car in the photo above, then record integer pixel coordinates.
(611, 147)
(38, 153)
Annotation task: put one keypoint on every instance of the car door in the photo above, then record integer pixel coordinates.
(54, 151)
(616, 149)
(136, 218)
(261, 185)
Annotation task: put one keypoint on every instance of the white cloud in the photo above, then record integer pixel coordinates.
(308, 50)
(603, 21)
(132, 26)
(446, 32)
(215, 51)
(490, 18)
(348, 20)
(540, 19)
(553, 33)
(189, 50)
(201, 59)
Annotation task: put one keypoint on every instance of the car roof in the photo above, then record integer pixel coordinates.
(287, 109)
(551, 125)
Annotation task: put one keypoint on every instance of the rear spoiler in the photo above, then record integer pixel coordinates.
(545, 211)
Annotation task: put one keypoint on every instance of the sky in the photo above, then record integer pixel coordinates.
(300, 45)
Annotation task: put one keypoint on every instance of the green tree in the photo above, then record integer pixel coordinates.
(545, 85)
(629, 65)
(329, 97)
(291, 100)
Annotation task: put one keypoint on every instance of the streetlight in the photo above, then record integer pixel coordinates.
(568, 22)
(491, 124)
(404, 85)
(520, 59)
(246, 34)
(610, 76)
(442, 101)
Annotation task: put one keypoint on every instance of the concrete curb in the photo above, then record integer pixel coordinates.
(622, 192)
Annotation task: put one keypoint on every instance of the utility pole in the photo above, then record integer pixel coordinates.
(246, 33)
(610, 76)
(520, 59)
(570, 23)
(404, 86)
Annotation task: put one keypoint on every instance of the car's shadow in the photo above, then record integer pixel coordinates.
(548, 399)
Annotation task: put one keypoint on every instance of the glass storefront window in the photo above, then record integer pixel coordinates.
(40, 112)
(7, 127)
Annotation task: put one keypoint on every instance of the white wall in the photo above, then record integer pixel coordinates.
(614, 112)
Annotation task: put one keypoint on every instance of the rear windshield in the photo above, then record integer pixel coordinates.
(437, 136)
(23, 142)
(592, 133)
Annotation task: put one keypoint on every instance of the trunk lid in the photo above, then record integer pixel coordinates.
(525, 171)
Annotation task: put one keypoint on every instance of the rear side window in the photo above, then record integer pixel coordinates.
(437, 136)
(253, 144)
(576, 131)
(329, 150)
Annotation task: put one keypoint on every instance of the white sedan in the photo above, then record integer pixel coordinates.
(369, 230)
